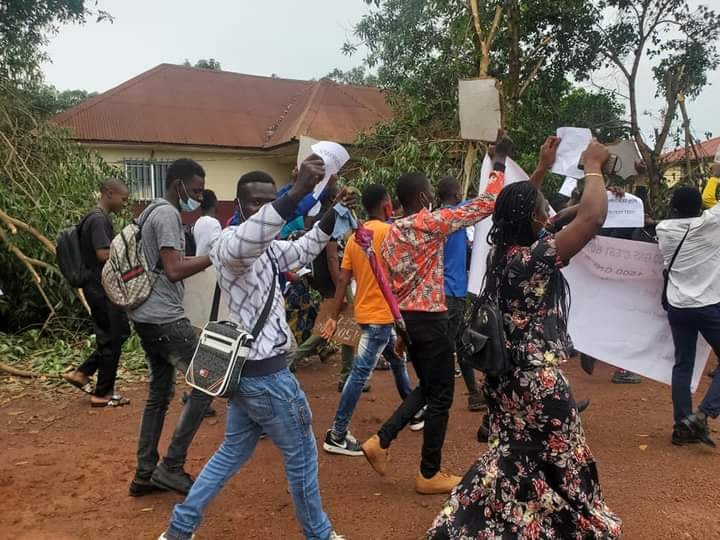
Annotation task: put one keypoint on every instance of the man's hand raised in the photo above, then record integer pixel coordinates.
(312, 170)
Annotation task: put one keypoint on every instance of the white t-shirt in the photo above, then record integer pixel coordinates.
(695, 275)
(205, 232)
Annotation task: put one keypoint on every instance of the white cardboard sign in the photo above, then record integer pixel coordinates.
(568, 186)
(513, 173)
(615, 313)
(625, 212)
(627, 155)
(479, 108)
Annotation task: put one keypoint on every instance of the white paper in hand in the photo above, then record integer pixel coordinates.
(627, 155)
(627, 212)
(334, 156)
(573, 142)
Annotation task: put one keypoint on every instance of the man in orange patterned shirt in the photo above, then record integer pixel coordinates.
(413, 251)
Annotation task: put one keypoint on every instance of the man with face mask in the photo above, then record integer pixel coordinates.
(167, 336)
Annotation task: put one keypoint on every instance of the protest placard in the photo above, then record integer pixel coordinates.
(615, 312)
(479, 108)
(347, 331)
(627, 156)
(624, 212)
(199, 292)
(568, 186)
(573, 142)
(513, 173)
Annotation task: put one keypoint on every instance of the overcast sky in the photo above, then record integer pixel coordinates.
(291, 38)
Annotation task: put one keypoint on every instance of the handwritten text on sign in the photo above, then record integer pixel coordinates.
(347, 331)
(615, 311)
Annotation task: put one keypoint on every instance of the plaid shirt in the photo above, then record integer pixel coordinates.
(413, 249)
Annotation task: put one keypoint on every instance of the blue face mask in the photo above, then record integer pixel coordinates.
(190, 205)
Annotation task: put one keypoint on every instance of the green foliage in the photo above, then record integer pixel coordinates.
(47, 182)
(210, 63)
(50, 355)
(357, 75)
(47, 101)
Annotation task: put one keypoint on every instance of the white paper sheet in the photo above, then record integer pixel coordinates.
(304, 148)
(627, 154)
(627, 212)
(479, 109)
(568, 186)
(334, 156)
(573, 142)
(615, 313)
(513, 173)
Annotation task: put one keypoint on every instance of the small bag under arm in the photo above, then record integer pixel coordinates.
(222, 351)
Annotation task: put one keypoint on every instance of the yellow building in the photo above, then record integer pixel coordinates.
(676, 164)
(230, 123)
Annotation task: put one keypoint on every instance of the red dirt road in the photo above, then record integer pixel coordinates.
(65, 468)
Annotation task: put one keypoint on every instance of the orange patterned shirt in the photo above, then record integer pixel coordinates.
(413, 248)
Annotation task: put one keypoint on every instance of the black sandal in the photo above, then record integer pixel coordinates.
(114, 401)
(87, 387)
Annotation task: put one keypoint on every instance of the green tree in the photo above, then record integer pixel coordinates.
(210, 63)
(357, 75)
(48, 101)
(679, 41)
(421, 48)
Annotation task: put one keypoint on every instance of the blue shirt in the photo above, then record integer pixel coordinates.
(456, 278)
(303, 207)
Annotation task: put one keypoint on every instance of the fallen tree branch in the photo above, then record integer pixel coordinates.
(18, 372)
(28, 228)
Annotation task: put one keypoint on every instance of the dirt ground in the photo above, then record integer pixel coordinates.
(65, 468)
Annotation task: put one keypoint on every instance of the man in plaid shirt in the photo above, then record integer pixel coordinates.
(413, 251)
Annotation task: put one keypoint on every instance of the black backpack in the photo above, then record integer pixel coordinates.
(69, 255)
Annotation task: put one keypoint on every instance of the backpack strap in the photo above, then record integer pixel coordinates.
(268, 303)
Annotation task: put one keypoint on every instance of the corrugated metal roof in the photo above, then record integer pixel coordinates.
(705, 149)
(172, 104)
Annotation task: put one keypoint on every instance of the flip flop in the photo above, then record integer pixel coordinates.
(114, 401)
(87, 387)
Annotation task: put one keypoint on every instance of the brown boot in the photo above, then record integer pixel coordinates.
(375, 454)
(442, 482)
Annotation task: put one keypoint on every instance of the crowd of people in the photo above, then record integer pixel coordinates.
(404, 270)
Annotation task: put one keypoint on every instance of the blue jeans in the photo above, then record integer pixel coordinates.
(374, 339)
(685, 324)
(274, 405)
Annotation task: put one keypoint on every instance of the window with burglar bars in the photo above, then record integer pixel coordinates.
(146, 177)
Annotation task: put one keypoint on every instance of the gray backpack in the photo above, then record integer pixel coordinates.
(126, 278)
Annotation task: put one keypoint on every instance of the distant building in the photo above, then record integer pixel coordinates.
(675, 160)
(230, 123)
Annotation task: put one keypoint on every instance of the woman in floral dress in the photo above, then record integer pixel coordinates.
(538, 479)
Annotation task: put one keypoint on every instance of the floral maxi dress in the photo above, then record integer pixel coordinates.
(538, 479)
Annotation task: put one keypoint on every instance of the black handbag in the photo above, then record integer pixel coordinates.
(483, 340)
(223, 348)
(666, 273)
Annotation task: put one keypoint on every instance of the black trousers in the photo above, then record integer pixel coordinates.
(456, 313)
(111, 330)
(431, 354)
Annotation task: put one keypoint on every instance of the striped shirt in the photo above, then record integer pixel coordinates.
(241, 257)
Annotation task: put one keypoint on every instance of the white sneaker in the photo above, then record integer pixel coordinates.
(163, 537)
(336, 536)
(417, 423)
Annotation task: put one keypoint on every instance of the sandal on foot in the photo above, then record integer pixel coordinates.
(114, 401)
(87, 387)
